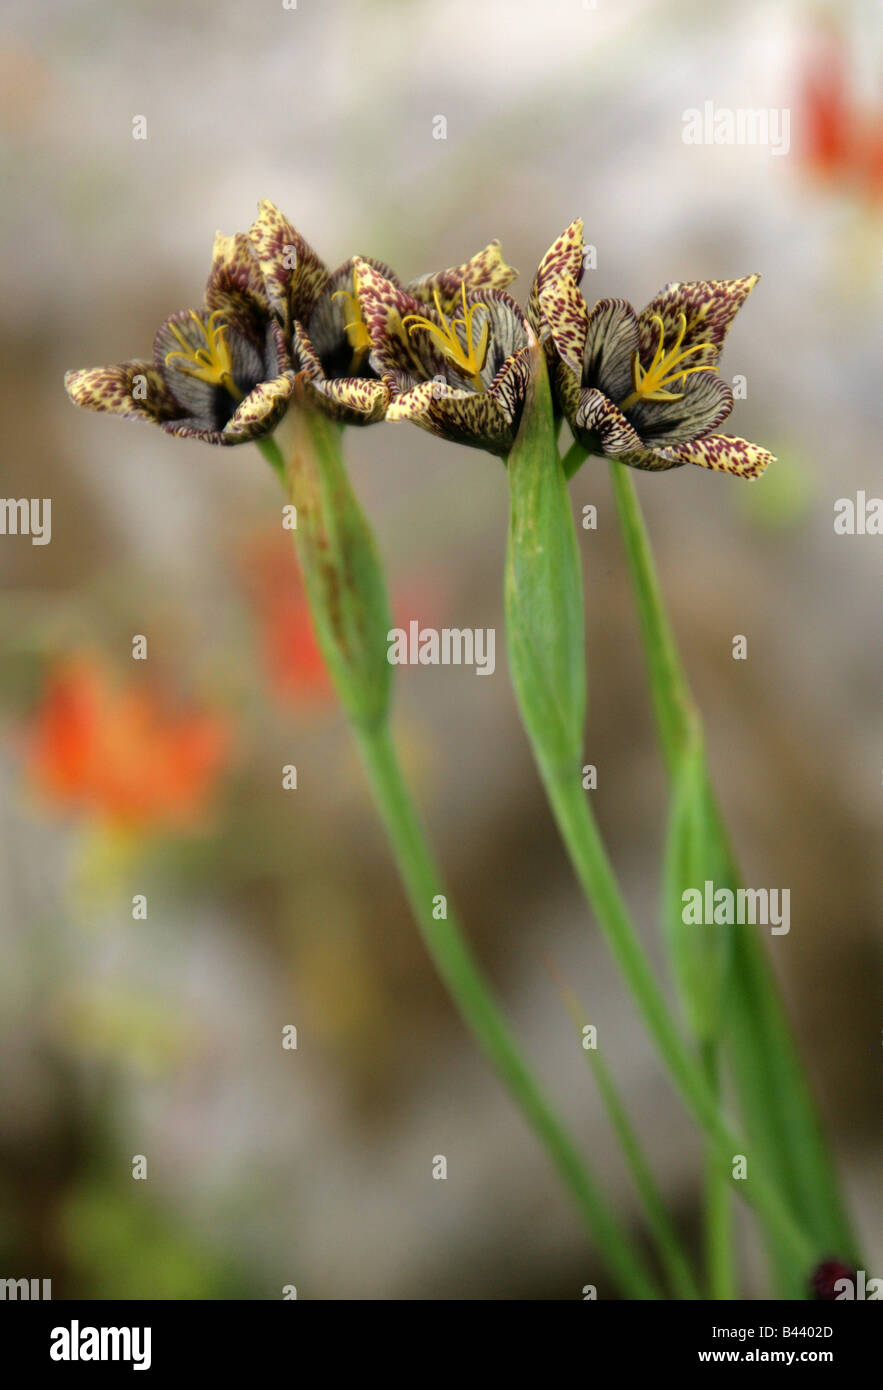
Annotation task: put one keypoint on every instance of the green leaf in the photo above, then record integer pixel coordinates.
(341, 569)
(543, 587)
(699, 954)
(774, 1094)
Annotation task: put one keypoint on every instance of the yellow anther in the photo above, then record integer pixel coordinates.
(357, 333)
(466, 361)
(648, 382)
(212, 363)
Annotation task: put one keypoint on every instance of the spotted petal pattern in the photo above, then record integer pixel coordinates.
(385, 306)
(293, 274)
(484, 271)
(562, 261)
(134, 390)
(566, 317)
(235, 285)
(351, 400)
(464, 417)
(709, 307)
(425, 386)
(722, 452)
(260, 412)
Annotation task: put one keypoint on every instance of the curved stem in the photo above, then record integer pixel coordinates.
(718, 1223)
(343, 580)
(456, 964)
(776, 1098)
(588, 856)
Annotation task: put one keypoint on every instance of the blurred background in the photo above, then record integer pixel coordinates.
(162, 1035)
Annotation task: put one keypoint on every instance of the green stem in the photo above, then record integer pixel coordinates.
(273, 454)
(456, 964)
(545, 639)
(574, 459)
(776, 1098)
(580, 834)
(668, 1246)
(345, 588)
(718, 1223)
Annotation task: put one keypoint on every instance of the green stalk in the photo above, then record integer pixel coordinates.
(719, 1249)
(350, 611)
(546, 647)
(669, 1248)
(456, 965)
(776, 1099)
(580, 833)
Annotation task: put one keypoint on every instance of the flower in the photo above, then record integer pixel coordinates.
(322, 311)
(221, 373)
(842, 140)
(642, 388)
(290, 651)
(825, 1278)
(319, 316)
(458, 366)
(122, 756)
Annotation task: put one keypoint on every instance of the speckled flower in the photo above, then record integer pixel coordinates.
(221, 373)
(321, 312)
(642, 388)
(458, 366)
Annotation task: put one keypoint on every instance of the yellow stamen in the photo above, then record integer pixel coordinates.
(648, 382)
(357, 333)
(466, 361)
(213, 363)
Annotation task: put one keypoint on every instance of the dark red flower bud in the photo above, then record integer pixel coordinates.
(825, 1279)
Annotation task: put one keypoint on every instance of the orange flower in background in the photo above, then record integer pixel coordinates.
(121, 754)
(843, 137)
(290, 651)
(291, 654)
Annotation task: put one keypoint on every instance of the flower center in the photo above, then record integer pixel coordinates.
(357, 333)
(648, 382)
(467, 361)
(211, 362)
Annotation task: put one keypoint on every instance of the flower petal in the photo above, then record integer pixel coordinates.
(333, 310)
(596, 415)
(260, 411)
(394, 348)
(566, 321)
(353, 400)
(293, 274)
(475, 418)
(706, 401)
(484, 271)
(235, 285)
(709, 307)
(135, 390)
(649, 460)
(562, 261)
(724, 453)
(611, 340)
(507, 330)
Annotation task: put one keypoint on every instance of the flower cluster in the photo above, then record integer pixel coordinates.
(449, 351)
